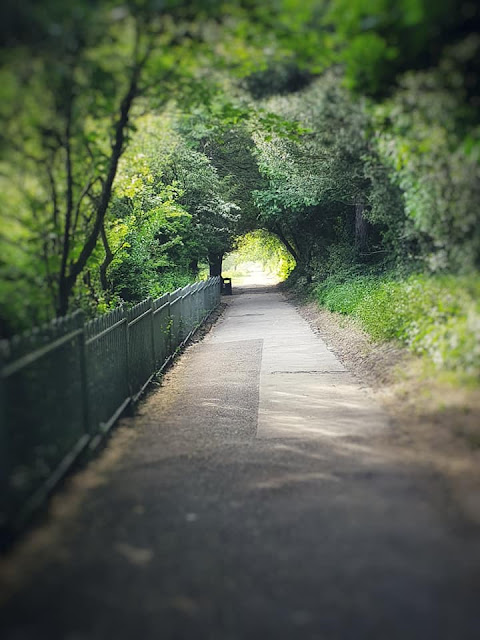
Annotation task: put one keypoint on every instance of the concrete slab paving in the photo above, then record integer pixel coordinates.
(255, 502)
(305, 390)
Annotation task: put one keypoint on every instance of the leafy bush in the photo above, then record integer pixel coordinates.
(437, 316)
(345, 297)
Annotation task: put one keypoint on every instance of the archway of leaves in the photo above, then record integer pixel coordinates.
(142, 140)
(258, 258)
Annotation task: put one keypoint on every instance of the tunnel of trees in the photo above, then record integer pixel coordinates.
(142, 139)
(258, 252)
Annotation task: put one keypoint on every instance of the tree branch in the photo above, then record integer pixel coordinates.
(104, 200)
(69, 198)
(83, 194)
(53, 193)
(107, 261)
(287, 244)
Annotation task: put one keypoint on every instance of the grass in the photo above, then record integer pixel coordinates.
(436, 316)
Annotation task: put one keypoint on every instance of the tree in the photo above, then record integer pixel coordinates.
(299, 119)
(318, 182)
(208, 199)
(72, 76)
(432, 151)
(71, 133)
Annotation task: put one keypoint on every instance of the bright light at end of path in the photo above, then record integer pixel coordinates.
(252, 273)
(259, 259)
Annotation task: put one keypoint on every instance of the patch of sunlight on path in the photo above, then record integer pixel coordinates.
(255, 275)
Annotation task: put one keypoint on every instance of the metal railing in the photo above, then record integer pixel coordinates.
(63, 386)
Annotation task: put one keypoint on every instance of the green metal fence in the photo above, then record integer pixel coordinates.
(63, 386)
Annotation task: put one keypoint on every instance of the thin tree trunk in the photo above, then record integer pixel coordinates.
(107, 260)
(287, 244)
(215, 262)
(63, 293)
(67, 282)
(361, 226)
(193, 266)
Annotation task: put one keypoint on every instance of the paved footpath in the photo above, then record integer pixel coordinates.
(255, 503)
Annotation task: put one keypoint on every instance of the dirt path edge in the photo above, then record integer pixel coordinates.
(432, 421)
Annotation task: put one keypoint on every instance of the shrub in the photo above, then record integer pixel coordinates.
(437, 316)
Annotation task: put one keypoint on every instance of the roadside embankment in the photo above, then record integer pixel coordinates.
(434, 316)
(435, 409)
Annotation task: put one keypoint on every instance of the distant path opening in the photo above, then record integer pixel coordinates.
(259, 259)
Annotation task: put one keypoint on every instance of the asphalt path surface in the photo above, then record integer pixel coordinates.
(257, 502)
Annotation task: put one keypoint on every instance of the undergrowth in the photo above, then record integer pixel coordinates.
(436, 316)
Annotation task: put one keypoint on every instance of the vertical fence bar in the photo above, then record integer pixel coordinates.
(169, 325)
(127, 352)
(107, 371)
(152, 334)
(206, 293)
(161, 321)
(198, 304)
(82, 357)
(141, 353)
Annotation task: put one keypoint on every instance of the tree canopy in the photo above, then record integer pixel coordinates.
(142, 139)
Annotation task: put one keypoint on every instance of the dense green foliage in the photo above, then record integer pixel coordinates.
(263, 249)
(436, 316)
(142, 140)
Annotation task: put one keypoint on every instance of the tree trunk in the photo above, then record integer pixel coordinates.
(193, 266)
(286, 243)
(63, 298)
(63, 289)
(107, 260)
(215, 262)
(361, 226)
(67, 281)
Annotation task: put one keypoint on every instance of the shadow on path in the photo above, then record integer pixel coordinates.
(254, 503)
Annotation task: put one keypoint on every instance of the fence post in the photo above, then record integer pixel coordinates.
(152, 333)
(127, 351)
(80, 324)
